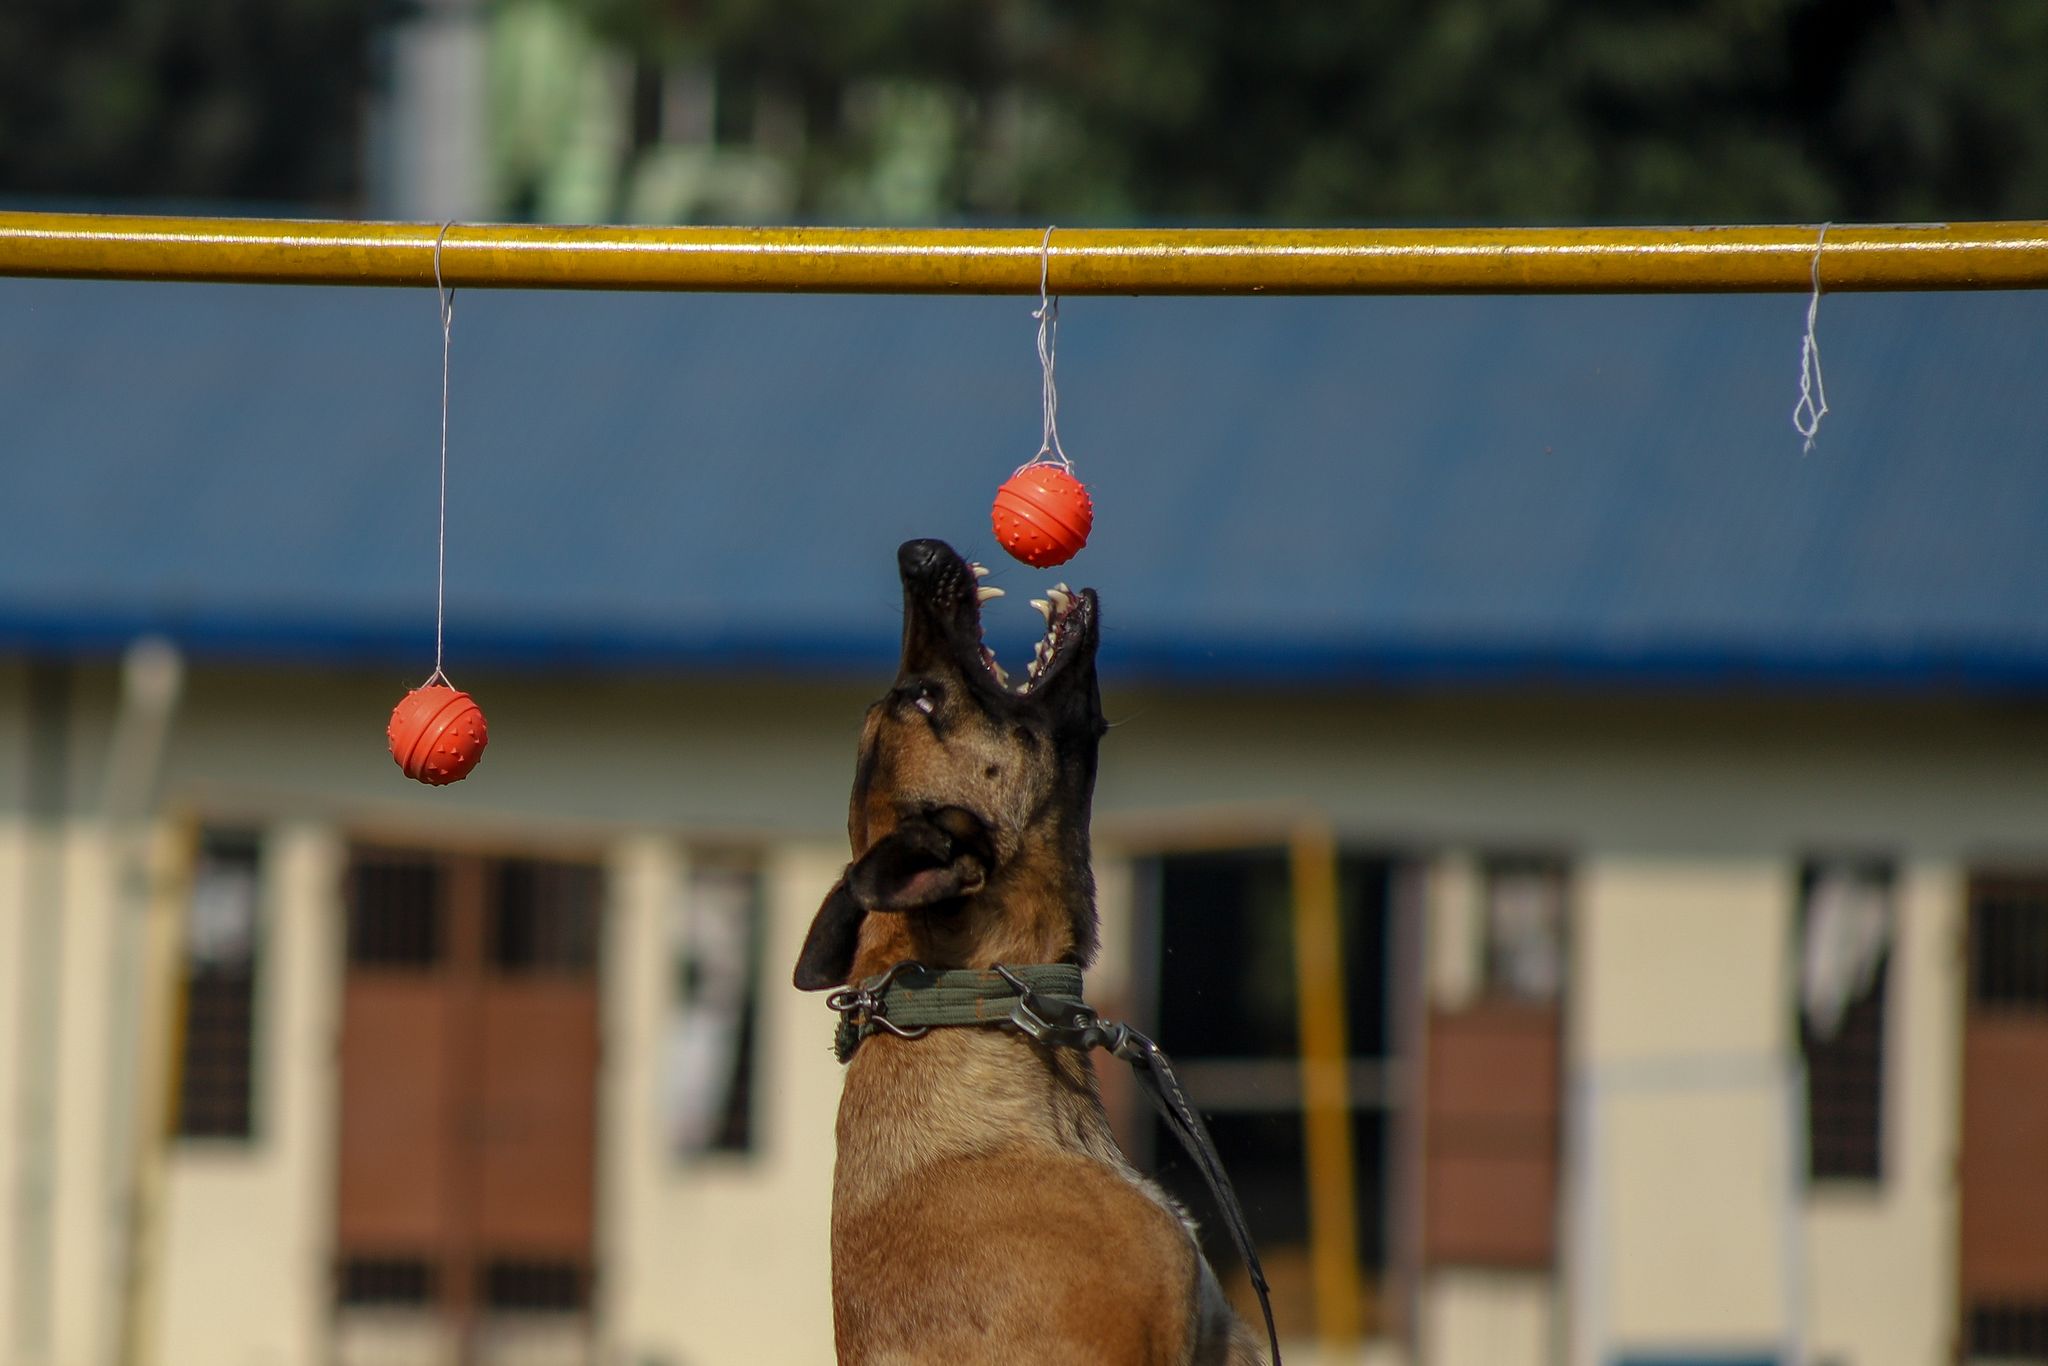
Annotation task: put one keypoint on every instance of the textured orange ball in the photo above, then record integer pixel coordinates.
(437, 734)
(1043, 515)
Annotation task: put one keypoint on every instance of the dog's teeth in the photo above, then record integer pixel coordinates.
(1044, 609)
(984, 593)
(1062, 597)
(980, 570)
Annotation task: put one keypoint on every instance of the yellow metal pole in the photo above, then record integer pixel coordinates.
(1006, 261)
(1326, 1098)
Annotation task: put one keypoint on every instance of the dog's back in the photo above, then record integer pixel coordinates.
(999, 1218)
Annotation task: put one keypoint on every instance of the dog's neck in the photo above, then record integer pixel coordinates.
(1038, 908)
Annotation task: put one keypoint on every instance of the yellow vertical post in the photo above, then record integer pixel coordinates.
(1326, 1099)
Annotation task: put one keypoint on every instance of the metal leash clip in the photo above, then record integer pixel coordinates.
(864, 1005)
(1059, 1022)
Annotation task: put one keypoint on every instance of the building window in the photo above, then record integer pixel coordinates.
(1525, 918)
(1845, 928)
(1219, 933)
(2011, 1334)
(217, 1059)
(2009, 944)
(715, 959)
(387, 1282)
(528, 1286)
(543, 918)
(396, 910)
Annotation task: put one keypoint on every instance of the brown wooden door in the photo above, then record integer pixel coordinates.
(468, 1062)
(2003, 1248)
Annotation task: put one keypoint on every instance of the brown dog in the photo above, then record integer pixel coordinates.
(981, 1211)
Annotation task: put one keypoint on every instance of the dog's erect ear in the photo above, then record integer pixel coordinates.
(826, 959)
(924, 861)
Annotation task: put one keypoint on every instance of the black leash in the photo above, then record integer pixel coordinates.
(1073, 1024)
(1043, 1002)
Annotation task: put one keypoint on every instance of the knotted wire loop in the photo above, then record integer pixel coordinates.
(1813, 393)
(1048, 315)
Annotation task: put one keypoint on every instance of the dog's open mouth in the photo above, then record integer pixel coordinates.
(1061, 608)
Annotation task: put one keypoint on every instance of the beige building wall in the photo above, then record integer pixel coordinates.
(248, 1225)
(87, 1186)
(13, 972)
(1473, 1317)
(1682, 1177)
(1882, 1260)
(724, 1258)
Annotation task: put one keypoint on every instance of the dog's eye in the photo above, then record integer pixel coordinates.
(923, 695)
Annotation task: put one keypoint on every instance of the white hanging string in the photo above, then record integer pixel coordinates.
(1813, 394)
(1048, 315)
(446, 297)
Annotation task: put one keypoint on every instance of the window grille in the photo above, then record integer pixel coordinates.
(544, 916)
(2009, 944)
(216, 1065)
(535, 1287)
(2008, 1333)
(1845, 927)
(395, 911)
(388, 1282)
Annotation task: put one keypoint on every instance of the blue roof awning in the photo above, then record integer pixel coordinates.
(1582, 489)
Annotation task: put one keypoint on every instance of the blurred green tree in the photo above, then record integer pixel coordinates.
(235, 99)
(1187, 110)
(1392, 110)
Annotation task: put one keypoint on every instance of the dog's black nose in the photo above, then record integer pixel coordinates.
(918, 558)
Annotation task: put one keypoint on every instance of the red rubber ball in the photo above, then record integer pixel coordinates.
(1042, 515)
(437, 734)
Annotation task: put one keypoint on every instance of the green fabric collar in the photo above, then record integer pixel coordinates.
(910, 999)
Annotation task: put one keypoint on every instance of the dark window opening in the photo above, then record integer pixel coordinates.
(395, 911)
(2008, 1332)
(1227, 1010)
(1845, 927)
(216, 1074)
(1227, 979)
(2009, 944)
(387, 1282)
(544, 917)
(535, 1287)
